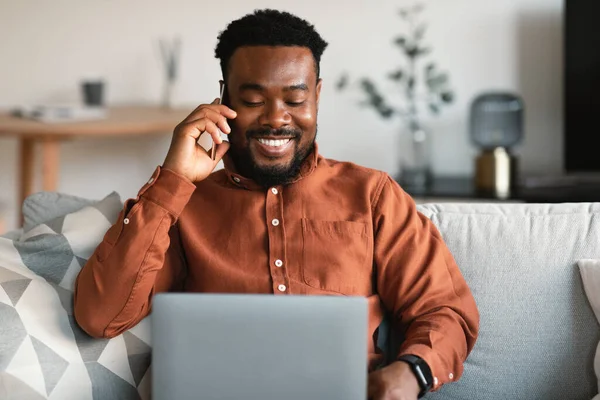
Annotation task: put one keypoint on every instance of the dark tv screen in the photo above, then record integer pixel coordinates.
(581, 85)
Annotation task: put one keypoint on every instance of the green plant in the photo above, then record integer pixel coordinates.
(415, 73)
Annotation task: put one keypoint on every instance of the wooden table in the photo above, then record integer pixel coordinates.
(120, 121)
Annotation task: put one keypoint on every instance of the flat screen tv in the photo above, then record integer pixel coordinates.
(581, 86)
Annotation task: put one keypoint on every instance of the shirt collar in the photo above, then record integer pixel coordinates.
(307, 167)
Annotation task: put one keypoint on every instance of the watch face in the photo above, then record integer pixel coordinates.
(421, 371)
(421, 377)
(496, 120)
(424, 368)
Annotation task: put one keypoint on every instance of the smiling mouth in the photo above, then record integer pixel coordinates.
(273, 142)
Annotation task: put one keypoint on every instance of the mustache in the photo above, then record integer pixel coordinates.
(261, 132)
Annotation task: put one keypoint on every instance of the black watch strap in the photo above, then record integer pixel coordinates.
(421, 370)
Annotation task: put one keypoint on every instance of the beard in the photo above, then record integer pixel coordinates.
(271, 175)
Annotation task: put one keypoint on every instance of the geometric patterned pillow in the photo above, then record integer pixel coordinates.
(43, 352)
(40, 207)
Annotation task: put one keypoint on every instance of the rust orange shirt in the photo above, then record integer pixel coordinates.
(338, 229)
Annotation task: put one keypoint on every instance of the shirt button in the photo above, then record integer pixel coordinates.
(274, 191)
(126, 221)
(435, 381)
(278, 263)
(236, 179)
(281, 288)
(275, 222)
(451, 376)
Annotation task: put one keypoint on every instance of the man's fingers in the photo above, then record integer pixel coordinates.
(196, 128)
(226, 111)
(214, 106)
(191, 115)
(211, 128)
(215, 117)
(223, 125)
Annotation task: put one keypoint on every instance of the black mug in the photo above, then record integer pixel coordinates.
(93, 93)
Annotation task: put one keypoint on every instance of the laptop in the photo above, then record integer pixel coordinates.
(251, 347)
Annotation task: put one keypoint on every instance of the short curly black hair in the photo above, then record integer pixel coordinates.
(269, 28)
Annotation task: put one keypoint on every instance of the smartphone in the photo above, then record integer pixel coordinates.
(213, 151)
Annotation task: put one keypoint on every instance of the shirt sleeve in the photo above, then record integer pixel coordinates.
(419, 282)
(139, 256)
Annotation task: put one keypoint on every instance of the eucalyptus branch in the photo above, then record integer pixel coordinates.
(410, 76)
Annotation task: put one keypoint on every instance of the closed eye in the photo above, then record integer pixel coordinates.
(295, 103)
(252, 103)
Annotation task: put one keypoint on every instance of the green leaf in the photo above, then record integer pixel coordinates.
(415, 51)
(375, 100)
(447, 97)
(403, 13)
(411, 83)
(434, 108)
(342, 82)
(420, 31)
(411, 51)
(386, 112)
(367, 85)
(400, 41)
(443, 78)
(418, 8)
(437, 81)
(369, 88)
(396, 75)
(429, 70)
(423, 51)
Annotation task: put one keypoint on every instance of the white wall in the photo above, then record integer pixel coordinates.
(47, 46)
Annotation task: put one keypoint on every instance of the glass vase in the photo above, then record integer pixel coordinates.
(415, 165)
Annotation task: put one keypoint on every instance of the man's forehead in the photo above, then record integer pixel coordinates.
(267, 63)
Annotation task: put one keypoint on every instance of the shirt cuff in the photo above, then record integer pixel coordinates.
(169, 190)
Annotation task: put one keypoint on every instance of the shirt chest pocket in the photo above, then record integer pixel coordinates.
(334, 256)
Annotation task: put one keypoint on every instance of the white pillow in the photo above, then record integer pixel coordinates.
(590, 275)
(43, 352)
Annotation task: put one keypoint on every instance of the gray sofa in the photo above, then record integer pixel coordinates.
(538, 333)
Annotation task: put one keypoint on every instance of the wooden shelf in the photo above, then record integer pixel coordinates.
(126, 120)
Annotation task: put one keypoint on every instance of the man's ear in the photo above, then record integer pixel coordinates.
(319, 85)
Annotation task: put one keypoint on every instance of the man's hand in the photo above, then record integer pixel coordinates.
(186, 156)
(394, 382)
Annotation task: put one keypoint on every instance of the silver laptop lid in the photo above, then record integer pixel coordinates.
(218, 346)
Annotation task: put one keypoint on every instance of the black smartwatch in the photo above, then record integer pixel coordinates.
(421, 370)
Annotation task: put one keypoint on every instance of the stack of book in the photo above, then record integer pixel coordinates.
(54, 113)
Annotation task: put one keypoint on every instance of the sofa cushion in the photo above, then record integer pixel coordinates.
(538, 333)
(590, 275)
(44, 353)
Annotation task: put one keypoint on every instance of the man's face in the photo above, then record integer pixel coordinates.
(275, 92)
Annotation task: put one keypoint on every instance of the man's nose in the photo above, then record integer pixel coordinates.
(275, 115)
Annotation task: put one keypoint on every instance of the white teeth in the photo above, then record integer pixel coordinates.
(274, 143)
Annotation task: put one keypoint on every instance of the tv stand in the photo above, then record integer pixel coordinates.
(565, 188)
(576, 188)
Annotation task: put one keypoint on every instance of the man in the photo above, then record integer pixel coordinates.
(281, 219)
